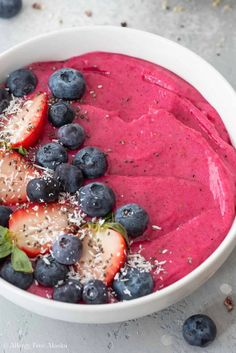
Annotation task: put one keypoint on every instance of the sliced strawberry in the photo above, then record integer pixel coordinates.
(104, 253)
(15, 173)
(24, 127)
(35, 227)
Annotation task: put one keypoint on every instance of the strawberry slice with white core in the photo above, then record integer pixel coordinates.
(24, 127)
(103, 255)
(36, 227)
(15, 173)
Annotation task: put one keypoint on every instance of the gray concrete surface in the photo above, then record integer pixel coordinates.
(211, 32)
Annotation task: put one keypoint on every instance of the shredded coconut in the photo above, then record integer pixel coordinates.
(45, 259)
(14, 107)
(76, 218)
(127, 291)
(138, 261)
(47, 172)
(12, 130)
(154, 227)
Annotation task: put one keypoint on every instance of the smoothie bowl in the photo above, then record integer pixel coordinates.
(117, 174)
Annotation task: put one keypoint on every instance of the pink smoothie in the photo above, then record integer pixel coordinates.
(168, 150)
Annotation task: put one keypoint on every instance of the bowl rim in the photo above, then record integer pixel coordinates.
(212, 261)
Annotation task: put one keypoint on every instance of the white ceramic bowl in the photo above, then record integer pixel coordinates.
(200, 74)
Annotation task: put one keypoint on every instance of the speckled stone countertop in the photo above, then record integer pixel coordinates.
(208, 28)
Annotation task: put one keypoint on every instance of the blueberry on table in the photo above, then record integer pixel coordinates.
(21, 82)
(133, 218)
(199, 330)
(69, 292)
(70, 177)
(48, 272)
(19, 279)
(96, 199)
(51, 155)
(67, 83)
(67, 249)
(43, 190)
(5, 213)
(10, 8)
(71, 136)
(5, 98)
(95, 292)
(133, 283)
(61, 113)
(92, 161)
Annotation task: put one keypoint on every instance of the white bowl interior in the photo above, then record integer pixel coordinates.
(71, 42)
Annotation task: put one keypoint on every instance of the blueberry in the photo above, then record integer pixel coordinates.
(48, 272)
(43, 190)
(5, 213)
(92, 161)
(22, 82)
(71, 136)
(61, 113)
(69, 176)
(5, 98)
(133, 218)
(51, 155)
(67, 249)
(19, 279)
(67, 83)
(10, 8)
(96, 199)
(69, 292)
(133, 283)
(199, 330)
(95, 292)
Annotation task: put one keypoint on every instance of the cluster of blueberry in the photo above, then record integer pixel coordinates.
(52, 271)
(48, 272)
(95, 199)
(89, 162)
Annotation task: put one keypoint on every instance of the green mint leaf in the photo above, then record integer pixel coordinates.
(5, 243)
(4, 235)
(20, 261)
(5, 249)
(21, 150)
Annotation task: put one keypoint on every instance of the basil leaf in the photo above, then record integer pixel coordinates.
(5, 249)
(20, 261)
(21, 150)
(4, 237)
(5, 243)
